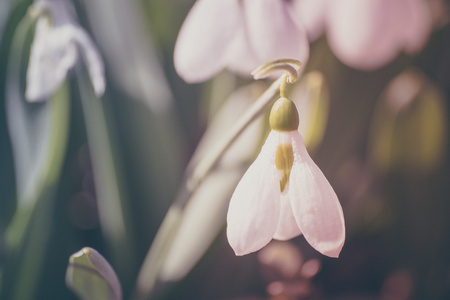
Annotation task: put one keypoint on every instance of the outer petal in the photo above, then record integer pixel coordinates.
(287, 227)
(364, 34)
(52, 55)
(255, 205)
(55, 50)
(417, 24)
(204, 38)
(315, 205)
(272, 33)
(242, 58)
(92, 59)
(309, 15)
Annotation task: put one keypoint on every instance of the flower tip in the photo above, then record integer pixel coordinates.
(333, 254)
(237, 249)
(32, 95)
(330, 250)
(238, 253)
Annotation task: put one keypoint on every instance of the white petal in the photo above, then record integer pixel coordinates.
(205, 37)
(371, 43)
(92, 59)
(52, 55)
(241, 58)
(272, 33)
(315, 204)
(55, 51)
(255, 205)
(417, 18)
(309, 15)
(287, 227)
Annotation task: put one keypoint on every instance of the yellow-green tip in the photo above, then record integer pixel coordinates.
(284, 115)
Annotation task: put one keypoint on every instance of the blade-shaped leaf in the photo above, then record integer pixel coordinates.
(129, 52)
(38, 133)
(91, 277)
(204, 214)
(111, 195)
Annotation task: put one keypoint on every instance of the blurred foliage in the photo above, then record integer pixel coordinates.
(381, 138)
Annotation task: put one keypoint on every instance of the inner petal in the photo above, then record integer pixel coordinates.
(287, 227)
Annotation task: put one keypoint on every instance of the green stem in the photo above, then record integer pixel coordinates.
(109, 192)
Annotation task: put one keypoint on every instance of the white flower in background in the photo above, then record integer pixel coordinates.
(284, 194)
(236, 34)
(366, 34)
(58, 41)
(242, 34)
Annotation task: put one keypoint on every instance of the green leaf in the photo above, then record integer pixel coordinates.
(111, 195)
(129, 52)
(91, 277)
(205, 213)
(38, 133)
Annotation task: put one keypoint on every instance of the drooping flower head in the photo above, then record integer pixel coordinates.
(284, 194)
(236, 34)
(58, 41)
(366, 34)
(241, 34)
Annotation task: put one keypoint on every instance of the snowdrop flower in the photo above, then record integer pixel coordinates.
(238, 35)
(284, 194)
(58, 41)
(366, 34)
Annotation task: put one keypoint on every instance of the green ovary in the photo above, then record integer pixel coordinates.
(284, 159)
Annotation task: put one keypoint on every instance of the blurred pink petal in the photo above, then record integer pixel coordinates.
(254, 207)
(238, 35)
(205, 37)
(361, 34)
(367, 34)
(310, 15)
(418, 25)
(272, 32)
(241, 57)
(314, 203)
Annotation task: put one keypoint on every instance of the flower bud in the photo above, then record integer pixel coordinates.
(284, 116)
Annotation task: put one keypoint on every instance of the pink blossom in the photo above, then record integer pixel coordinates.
(236, 34)
(366, 34)
(282, 195)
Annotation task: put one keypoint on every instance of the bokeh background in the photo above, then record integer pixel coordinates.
(384, 148)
